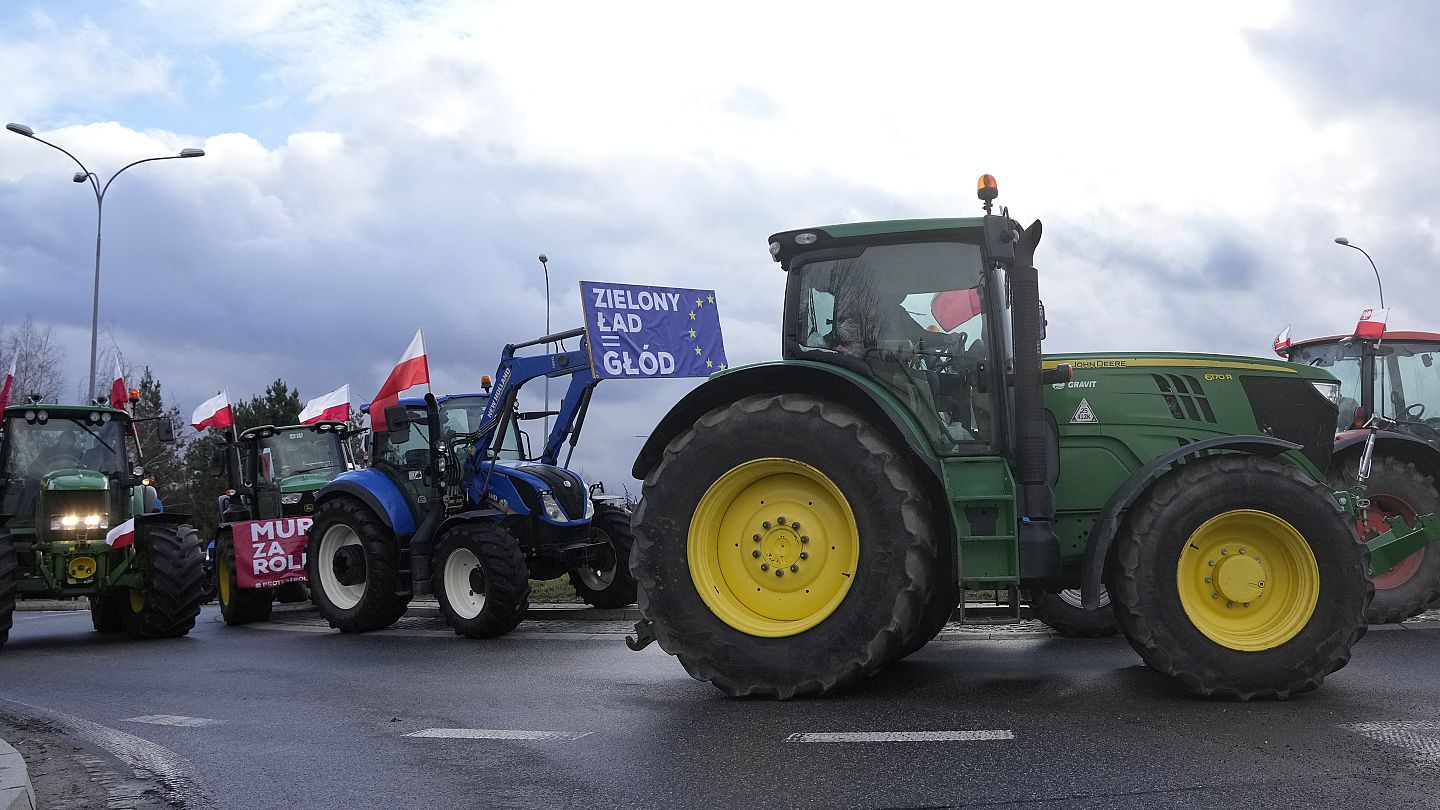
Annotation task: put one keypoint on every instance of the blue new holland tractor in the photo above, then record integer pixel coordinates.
(455, 504)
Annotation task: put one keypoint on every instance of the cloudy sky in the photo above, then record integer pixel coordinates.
(374, 167)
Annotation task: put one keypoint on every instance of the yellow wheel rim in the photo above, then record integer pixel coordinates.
(222, 575)
(1248, 580)
(137, 601)
(773, 547)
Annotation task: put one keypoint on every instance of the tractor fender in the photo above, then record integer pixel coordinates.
(472, 516)
(375, 490)
(154, 518)
(787, 377)
(1402, 446)
(1097, 550)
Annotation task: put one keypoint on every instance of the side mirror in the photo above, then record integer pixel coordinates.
(397, 416)
(165, 429)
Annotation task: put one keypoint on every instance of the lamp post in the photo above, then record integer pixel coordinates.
(545, 265)
(1340, 240)
(80, 177)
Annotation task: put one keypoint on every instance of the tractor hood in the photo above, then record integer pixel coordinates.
(304, 482)
(75, 481)
(1195, 396)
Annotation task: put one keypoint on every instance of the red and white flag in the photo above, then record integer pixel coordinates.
(9, 382)
(412, 370)
(1282, 343)
(119, 396)
(334, 406)
(122, 535)
(214, 412)
(1372, 324)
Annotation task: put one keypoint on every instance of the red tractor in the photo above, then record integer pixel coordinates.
(1396, 378)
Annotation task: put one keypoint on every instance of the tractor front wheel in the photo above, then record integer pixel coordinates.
(611, 587)
(107, 612)
(783, 547)
(483, 585)
(9, 572)
(1240, 577)
(352, 562)
(174, 583)
(237, 605)
(1064, 613)
(1397, 488)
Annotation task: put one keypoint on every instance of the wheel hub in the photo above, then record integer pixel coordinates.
(780, 546)
(1239, 578)
(477, 580)
(349, 565)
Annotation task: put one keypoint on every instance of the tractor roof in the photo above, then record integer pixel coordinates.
(786, 244)
(1389, 335)
(415, 402)
(19, 409)
(262, 431)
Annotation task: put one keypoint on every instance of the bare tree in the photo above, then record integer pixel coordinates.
(38, 359)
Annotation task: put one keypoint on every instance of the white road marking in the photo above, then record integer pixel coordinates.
(495, 734)
(900, 736)
(1420, 737)
(52, 614)
(177, 778)
(173, 720)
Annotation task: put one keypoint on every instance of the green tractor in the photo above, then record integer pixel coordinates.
(804, 523)
(71, 485)
(273, 472)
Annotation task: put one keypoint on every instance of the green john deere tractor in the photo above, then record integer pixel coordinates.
(273, 472)
(71, 475)
(806, 522)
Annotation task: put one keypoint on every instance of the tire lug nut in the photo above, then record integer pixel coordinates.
(795, 525)
(804, 538)
(780, 520)
(1214, 596)
(765, 525)
(779, 572)
(1207, 579)
(1229, 604)
(1247, 604)
(794, 569)
(764, 566)
(755, 537)
(805, 555)
(1212, 563)
(1224, 551)
(1242, 551)
(755, 554)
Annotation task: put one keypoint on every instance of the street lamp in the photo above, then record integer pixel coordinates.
(1340, 240)
(80, 177)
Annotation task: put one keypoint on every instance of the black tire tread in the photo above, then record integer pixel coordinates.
(1072, 622)
(380, 607)
(507, 581)
(615, 522)
(9, 573)
(246, 605)
(175, 582)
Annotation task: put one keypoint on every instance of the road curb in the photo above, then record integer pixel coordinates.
(577, 612)
(38, 605)
(15, 790)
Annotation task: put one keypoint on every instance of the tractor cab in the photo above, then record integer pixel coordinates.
(68, 471)
(912, 305)
(285, 466)
(1396, 377)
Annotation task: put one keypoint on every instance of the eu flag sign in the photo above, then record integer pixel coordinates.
(641, 331)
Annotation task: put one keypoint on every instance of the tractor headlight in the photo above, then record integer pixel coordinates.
(290, 499)
(1329, 390)
(69, 522)
(589, 507)
(552, 508)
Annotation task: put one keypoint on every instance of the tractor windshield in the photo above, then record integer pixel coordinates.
(43, 443)
(462, 415)
(292, 452)
(914, 314)
(1343, 361)
(1408, 386)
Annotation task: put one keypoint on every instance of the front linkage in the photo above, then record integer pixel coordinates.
(1388, 548)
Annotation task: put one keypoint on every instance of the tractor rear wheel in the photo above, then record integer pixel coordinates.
(1240, 577)
(9, 572)
(353, 562)
(482, 584)
(612, 587)
(174, 583)
(1397, 488)
(1064, 613)
(237, 605)
(783, 547)
(108, 610)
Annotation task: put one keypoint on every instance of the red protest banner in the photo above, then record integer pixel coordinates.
(270, 552)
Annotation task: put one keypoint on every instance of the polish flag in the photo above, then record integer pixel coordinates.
(122, 535)
(333, 406)
(214, 412)
(954, 307)
(412, 370)
(119, 396)
(9, 382)
(1372, 324)
(1282, 343)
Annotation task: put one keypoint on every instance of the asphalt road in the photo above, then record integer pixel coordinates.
(286, 717)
